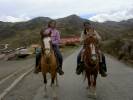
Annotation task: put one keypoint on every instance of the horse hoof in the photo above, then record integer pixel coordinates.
(55, 98)
(93, 96)
(57, 85)
(87, 88)
(45, 96)
(89, 95)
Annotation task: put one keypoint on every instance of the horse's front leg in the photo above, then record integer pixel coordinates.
(57, 83)
(45, 86)
(94, 82)
(88, 78)
(89, 84)
(94, 86)
(54, 87)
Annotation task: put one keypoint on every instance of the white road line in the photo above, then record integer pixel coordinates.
(7, 90)
(11, 75)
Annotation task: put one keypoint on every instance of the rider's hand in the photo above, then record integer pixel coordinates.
(50, 32)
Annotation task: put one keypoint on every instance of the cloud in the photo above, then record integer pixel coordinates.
(13, 19)
(113, 16)
(60, 8)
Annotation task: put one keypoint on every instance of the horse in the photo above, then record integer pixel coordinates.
(48, 65)
(91, 63)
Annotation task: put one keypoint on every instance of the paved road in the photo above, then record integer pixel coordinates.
(117, 86)
(27, 88)
(9, 67)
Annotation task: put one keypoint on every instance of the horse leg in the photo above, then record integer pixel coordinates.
(57, 84)
(94, 82)
(89, 84)
(94, 85)
(88, 78)
(53, 86)
(45, 86)
(92, 92)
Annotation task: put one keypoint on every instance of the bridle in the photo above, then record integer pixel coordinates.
(91, 50)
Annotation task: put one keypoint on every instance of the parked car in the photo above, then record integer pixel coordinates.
(22, 53)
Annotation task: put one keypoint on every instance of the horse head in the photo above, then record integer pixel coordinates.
(46, 45)
(90, 46)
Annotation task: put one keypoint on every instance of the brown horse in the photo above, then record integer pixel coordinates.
(91, 61)
(48, 65)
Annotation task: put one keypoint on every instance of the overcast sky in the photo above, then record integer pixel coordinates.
(95, 10)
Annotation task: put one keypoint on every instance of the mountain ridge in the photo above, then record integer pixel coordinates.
(69, 25)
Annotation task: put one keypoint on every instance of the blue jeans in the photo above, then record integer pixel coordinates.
(58, 55)
(104, 67)
(79, 57)
(38, 55)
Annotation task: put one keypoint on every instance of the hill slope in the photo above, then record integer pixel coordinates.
(25, 33)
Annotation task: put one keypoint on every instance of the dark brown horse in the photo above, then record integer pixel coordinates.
(48, 65)
(91, 61)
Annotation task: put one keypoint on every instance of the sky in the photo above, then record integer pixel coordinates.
(95, 10)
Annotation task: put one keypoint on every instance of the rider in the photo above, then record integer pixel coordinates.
(88, 29)
(55, 37)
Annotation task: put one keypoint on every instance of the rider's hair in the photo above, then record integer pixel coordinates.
(86, 22)
(51, 21)
(85, 31)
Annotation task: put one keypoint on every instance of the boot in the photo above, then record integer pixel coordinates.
(36, 71)
(78, 72)
(102, 71)
(80, 68)
(37, 65)
(60, 71)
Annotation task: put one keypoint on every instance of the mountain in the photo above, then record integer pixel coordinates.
(26, 33)
(71, 25)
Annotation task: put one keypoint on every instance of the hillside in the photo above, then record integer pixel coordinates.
(25, 33)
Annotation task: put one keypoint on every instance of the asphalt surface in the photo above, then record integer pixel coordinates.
(118, 85)
(27, 88)
(9, 67)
